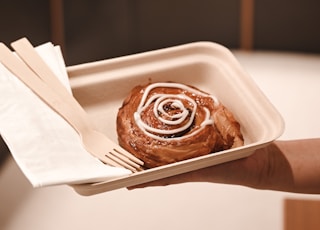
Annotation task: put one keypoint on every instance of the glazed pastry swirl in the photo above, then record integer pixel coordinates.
(184, 106)
(162, 123)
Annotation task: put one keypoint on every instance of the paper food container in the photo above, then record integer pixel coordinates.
(101, 87)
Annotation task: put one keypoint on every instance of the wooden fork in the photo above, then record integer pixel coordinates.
(46, 86)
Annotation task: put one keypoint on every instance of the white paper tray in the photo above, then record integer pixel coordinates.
(102, 86)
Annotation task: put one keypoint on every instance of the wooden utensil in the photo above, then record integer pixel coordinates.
(46, 86)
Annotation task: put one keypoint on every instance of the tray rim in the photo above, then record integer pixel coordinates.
(184, 166)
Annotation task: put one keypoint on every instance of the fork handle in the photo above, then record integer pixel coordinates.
(58, 103)
(29, 55)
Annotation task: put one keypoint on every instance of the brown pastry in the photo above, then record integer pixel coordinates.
(162, 123)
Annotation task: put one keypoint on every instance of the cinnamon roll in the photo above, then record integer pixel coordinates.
(166, 122)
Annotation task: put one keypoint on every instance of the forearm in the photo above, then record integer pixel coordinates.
(292, 166)
(299, 170)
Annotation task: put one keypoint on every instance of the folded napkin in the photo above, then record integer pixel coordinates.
(46, 148)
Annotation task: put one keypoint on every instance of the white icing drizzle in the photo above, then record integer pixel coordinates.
(174, 101)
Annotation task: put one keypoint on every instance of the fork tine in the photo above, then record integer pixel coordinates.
(128, 155)
(110, 162)
(115, 157)
(125, 157)
(128, 158)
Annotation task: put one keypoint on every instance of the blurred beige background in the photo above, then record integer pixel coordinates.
(99, 29)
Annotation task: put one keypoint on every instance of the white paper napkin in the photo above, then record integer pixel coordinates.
(46, 148)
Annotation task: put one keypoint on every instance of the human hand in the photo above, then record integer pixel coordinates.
(253, 171)
(292, 166)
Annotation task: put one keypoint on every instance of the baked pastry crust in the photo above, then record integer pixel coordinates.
(163, 123)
